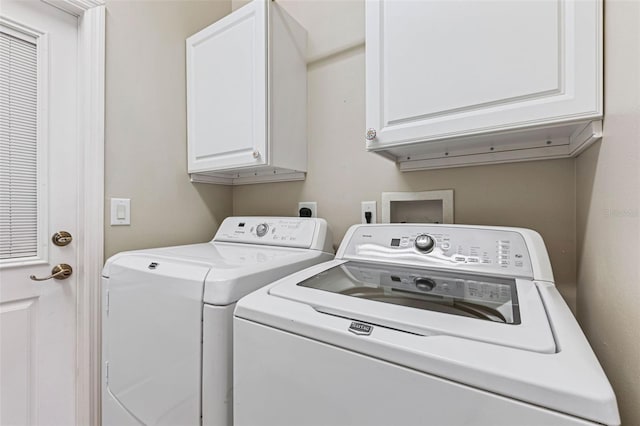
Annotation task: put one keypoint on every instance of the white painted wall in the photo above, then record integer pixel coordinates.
(146, 148)
(608, 215)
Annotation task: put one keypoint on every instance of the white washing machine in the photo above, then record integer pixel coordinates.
(167, 317)
(418, 325)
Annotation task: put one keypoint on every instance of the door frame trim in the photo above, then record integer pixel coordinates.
(91, 213)
(90, 174)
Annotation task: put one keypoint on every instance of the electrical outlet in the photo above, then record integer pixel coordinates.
(368, 207)
(311, 205)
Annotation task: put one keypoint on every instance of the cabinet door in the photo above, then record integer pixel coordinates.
(444, 69)
(227, 90)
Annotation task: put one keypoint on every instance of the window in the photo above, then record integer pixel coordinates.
(18, 146)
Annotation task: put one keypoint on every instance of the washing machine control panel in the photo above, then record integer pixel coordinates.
(275, 231)
(481, 249)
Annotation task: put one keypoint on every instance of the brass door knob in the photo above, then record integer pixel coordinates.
(59, 272)
(61, 238)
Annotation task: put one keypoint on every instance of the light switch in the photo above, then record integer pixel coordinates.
(120, 211)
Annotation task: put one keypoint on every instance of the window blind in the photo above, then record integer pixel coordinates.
(18, 148)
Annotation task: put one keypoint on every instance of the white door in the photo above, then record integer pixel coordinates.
(227, 92)
(444, 69)
(38, 198)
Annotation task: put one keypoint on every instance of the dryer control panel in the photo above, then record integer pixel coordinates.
(273, 231)
(487, 250)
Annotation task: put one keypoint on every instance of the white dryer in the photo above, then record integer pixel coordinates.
(167, 317)
(418, 325)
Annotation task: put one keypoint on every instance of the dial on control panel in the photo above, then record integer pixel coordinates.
(424, 243)
(261, 229)
(425, 284)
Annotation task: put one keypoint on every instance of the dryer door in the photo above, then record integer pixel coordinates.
(152, 337)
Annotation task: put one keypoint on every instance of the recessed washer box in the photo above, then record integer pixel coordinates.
(418, 207)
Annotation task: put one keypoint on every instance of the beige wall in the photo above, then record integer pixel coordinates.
(608, 215)
(146, 146)
(537, 195)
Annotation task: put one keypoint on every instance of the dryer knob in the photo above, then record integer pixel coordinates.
(424, 243)
(262, 229)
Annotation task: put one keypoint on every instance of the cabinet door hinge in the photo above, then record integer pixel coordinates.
(107, 307)
(106, 373)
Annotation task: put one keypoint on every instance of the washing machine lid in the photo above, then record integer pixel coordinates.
(249, 267)
(234, 269)
(492, 309)
(513, 360)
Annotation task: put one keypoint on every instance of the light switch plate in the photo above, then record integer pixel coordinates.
(120, 211)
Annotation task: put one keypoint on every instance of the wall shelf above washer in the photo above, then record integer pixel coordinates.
(507, 147)
(248, 177)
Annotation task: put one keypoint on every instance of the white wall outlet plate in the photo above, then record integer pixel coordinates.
(312, 205)
(120, 211)
(368, 207)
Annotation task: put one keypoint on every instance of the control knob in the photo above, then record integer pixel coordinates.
(262, 229)
(424, 243)
(425, 284)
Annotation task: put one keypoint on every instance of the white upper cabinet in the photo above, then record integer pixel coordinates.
(246, 98)
(452, 83)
